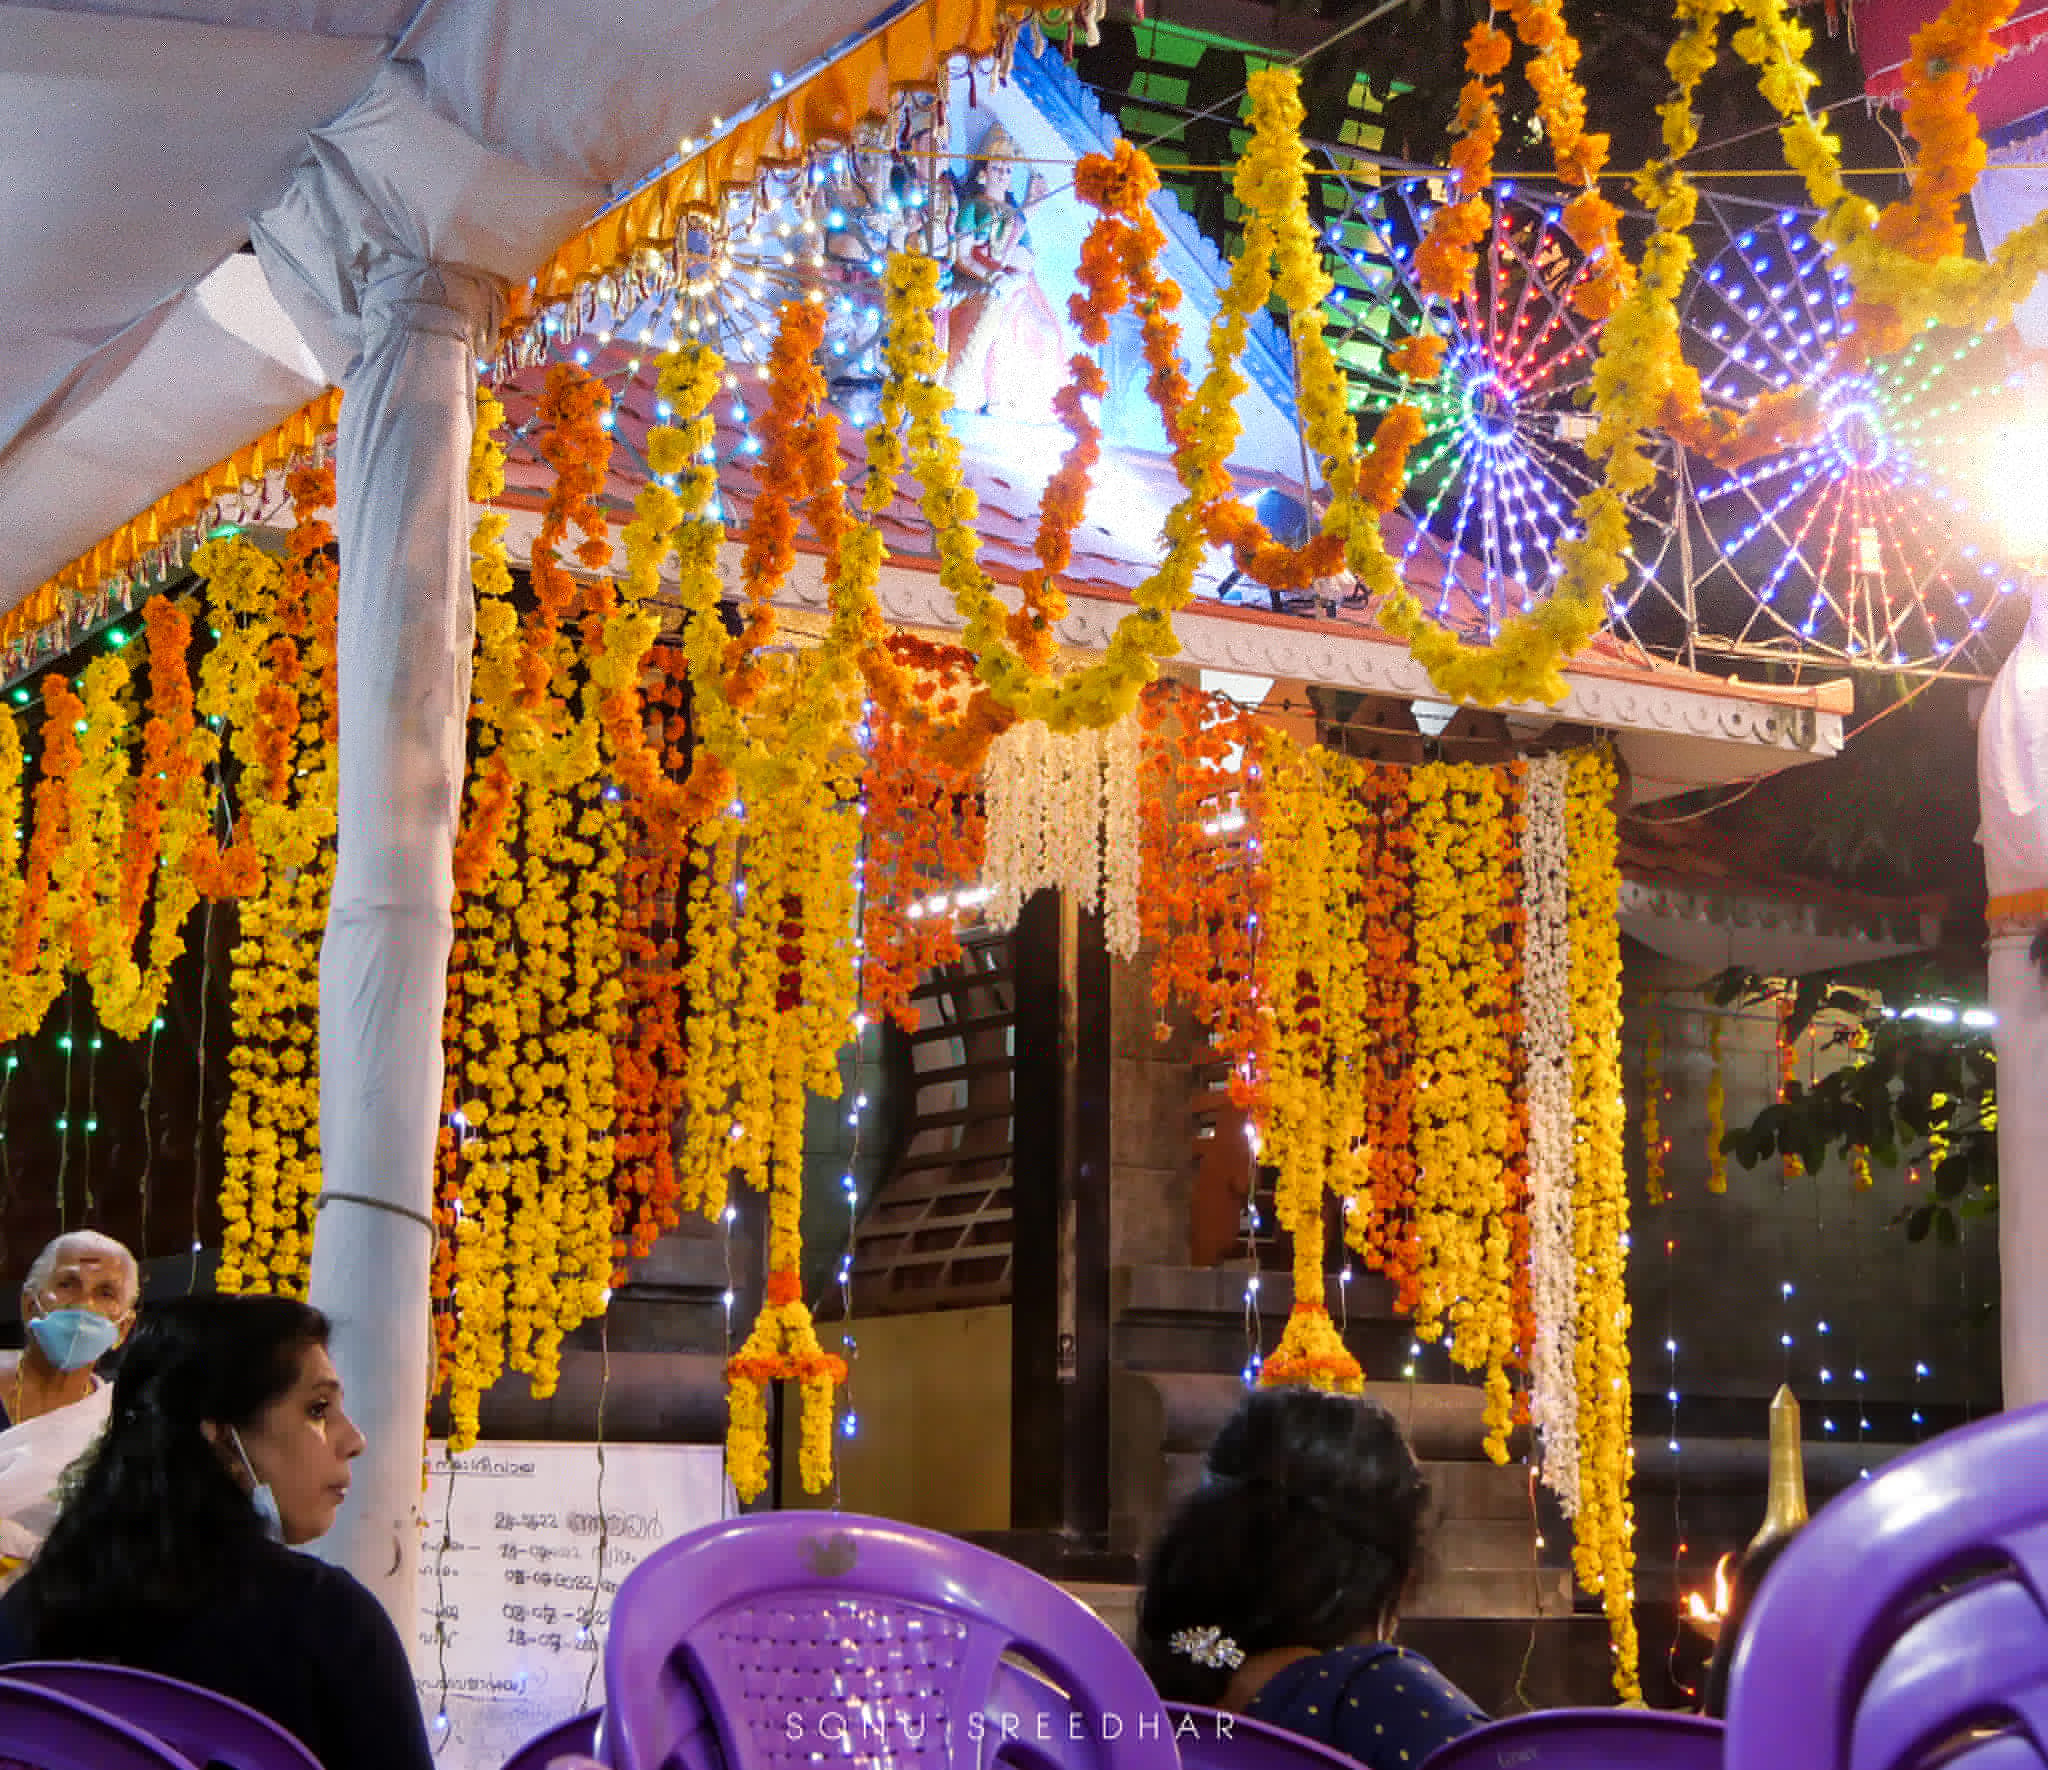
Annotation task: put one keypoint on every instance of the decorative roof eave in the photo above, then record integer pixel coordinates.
(909, 51)
(1712, 929)
(1676, 730)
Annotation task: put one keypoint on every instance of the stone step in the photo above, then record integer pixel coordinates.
(1479, 1489)
(1525, 1591)
(1505, 1544)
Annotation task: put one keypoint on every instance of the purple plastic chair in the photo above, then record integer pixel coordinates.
(789, 1637)
(1977, 1657)
(1863, 1577)
(201, 1724)
(48, 1730)
(1587, 1739)
(1214, 1739)
(573, 1738)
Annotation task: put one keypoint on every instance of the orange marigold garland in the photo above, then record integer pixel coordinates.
(1382, 1228)
(1200, 893)
(926, 836)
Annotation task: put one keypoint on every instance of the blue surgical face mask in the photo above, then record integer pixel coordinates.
(260, 1495)
(74, 1339)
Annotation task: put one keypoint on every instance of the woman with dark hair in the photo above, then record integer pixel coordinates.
(225, 1446)
(1274, 1587)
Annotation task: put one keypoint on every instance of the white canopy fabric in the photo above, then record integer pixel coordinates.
(395, 173)
(140, 143)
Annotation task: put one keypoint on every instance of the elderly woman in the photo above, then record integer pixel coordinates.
(227, 1446)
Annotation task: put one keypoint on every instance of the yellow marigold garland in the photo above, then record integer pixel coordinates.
(1310, 982)
(1463, 1079)
(1603, 1550)
(771, 934)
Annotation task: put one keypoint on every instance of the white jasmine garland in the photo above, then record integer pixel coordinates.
(1120, 837)
(1547, 1038)
(1044, 794)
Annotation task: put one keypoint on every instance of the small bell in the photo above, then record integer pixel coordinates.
(1785, 1504)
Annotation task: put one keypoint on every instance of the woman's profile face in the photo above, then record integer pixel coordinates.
(301, 1446)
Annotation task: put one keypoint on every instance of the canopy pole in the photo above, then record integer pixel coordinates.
(407, 620)
(2012, 778)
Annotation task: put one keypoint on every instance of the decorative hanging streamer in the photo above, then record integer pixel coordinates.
(1603, 1550)
(1717, 1110)
(1547, 1043)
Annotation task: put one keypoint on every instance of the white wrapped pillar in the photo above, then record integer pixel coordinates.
(391, 268)
(407, 624)
(2012, 773)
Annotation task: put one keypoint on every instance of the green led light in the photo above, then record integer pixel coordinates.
(13, 1062)
(157, 1025)
(63, 1124)
(117, 639)
(95, 1041)
(81, 728)
(92, 1124)
(21, 697)
(64, 1042)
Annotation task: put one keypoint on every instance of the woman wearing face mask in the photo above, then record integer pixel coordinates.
(226, 1445)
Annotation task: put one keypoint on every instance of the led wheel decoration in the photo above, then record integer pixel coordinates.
(1860, 544)
(1493, 486)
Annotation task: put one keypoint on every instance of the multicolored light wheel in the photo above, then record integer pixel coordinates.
(1493, 486)
(1860, 545)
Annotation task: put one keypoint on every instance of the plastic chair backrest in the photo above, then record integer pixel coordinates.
(792, 1636)
(51, 1731)
(201, 1724)
(1859, 1577)
(1971, 1659)
(1586, 1739)
(1215, 1739)
(575, 1737)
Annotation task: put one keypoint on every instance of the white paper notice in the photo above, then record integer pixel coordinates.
(518, 1593)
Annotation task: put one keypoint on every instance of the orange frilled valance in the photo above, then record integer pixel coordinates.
(907, 55)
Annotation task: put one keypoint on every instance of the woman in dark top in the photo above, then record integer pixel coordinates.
(226, 1444)
(1273, 1589)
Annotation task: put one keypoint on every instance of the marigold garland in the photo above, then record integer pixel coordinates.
(769, 972)
(926, 837)
(1547, 1045)
(1603, 1550)
(651, 1061)
(1463, 1080)
(1310, 977)
(1200, 894)
(1383, 1227)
